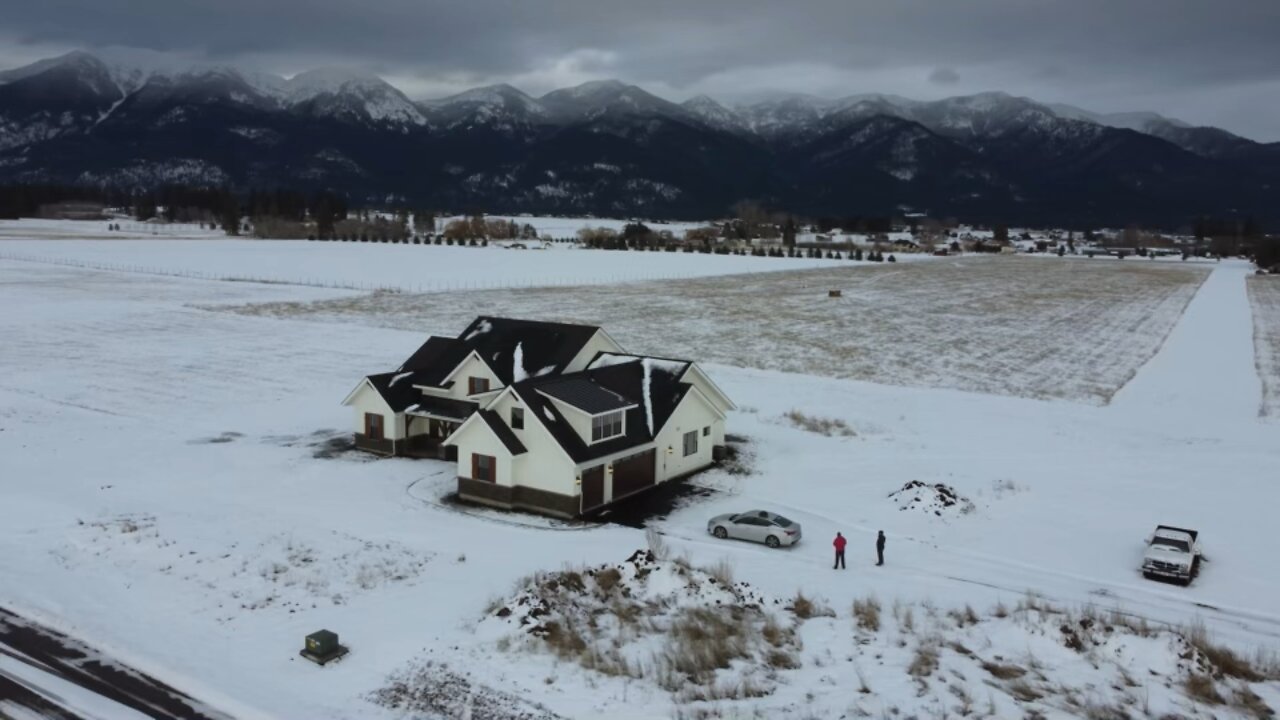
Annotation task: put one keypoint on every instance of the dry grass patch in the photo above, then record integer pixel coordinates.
(925, 661)
(1201, 687)
(1004, 672)
(805, 607)
(830, 427)
(866, 613)
(1225, 660)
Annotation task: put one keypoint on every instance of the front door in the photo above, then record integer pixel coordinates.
(592, 488)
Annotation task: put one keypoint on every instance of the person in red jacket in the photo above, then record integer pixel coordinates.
(839, 544)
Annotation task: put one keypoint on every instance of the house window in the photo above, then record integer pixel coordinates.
(690, 443)
(373, 426)
(606, 426)
(706, 431)
(483, 467)
(477, 385)
(517, 418)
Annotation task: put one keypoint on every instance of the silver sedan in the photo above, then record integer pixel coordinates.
(759, 526)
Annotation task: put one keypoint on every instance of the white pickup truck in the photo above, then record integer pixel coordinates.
(1172, 553)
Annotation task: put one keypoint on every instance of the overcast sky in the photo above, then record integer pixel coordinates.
(1211, 62)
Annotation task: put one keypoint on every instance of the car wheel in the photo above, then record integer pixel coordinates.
(720, 532)
(772, 541)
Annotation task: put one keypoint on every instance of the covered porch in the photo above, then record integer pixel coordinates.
(429, 423)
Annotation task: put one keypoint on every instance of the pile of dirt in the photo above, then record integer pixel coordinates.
(938, 499)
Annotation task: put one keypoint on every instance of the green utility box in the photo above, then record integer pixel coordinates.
(322, 646)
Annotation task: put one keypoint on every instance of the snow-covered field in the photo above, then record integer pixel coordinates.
(170, 494)
(408, 268)
(1264, 296)
(1034, 327)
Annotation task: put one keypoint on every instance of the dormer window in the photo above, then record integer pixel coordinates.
(517, 418)
(477, 385)
(608, 425)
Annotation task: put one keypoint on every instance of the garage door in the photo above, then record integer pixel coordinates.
(633, 474)
(592, 488)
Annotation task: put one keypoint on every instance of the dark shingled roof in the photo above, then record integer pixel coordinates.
(627, 380)
(587, 396)
(396, 388)
(443, 407)
(503, 432)
(546, 347)
(434, 361)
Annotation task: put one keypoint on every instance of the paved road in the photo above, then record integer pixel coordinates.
(46, 674)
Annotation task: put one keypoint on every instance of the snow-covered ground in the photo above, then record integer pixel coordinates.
(409, 268)
(170, 494)
(1264, 296)
(1034, 327)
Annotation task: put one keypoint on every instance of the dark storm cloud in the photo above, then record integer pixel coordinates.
(944, 76)
(1206, 61)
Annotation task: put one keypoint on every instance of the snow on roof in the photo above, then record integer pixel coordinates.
(646, 385)
(484, 327)
(517, 364)
(675, 367)
(398, 378)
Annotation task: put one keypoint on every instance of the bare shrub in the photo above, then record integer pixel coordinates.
(782, 660)
(964, 617)
(866, 612)
(1000, 610)
(774, 634)
(1224, 659)
(608, 579)
(564, 640)
(820, 425)
(701, 641)
(721, 572)
(1246, 700)
(924, 662)
(805, 607)
(1200, 687)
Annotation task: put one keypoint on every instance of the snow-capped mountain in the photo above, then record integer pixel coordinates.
(715, 114)
(499, 107)
(351, 97)
(606, 147)
(611, 98)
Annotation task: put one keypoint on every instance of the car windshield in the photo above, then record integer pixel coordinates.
(781, 521)
(1179, 545)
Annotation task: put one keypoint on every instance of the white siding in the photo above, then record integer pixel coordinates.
(367, 400)
(693, 414)
(600, 342)
(545, 466)
(471, 367)
(479, 439)
(696, 377)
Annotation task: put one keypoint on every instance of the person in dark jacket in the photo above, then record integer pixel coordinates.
(839, 544)
(880, 548)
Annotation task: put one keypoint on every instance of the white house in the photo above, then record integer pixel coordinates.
(411, 410)
(543, 416)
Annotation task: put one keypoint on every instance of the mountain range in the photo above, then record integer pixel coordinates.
(608, 148)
